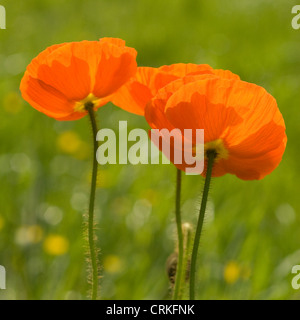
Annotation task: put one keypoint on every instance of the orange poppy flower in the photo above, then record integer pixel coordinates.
(241, 122)
(64, 77)
(136, 93)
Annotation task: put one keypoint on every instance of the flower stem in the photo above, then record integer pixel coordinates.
(187, 244)
(211, 154)
(178, 282)
(91, 236)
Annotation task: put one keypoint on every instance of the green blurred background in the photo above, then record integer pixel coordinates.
(251, 234)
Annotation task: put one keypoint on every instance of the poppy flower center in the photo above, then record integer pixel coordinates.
(89, 101)
(216, 146)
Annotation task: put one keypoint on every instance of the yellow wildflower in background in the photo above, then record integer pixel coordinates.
(69, 142)
(56, 245)
(232, 272)
(112, 264)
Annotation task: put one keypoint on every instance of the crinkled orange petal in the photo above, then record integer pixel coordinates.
(34, 65)
(196, 105)
(257, 107)
(266, 139)
(225, 74)
(116, 66)
(115, 41)
(159, 101)
(155, 109)
(181, 70)
(135, 94)
(190, 107)
(47, 99)
(155, 116)
(69, 68)
(255, 168)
